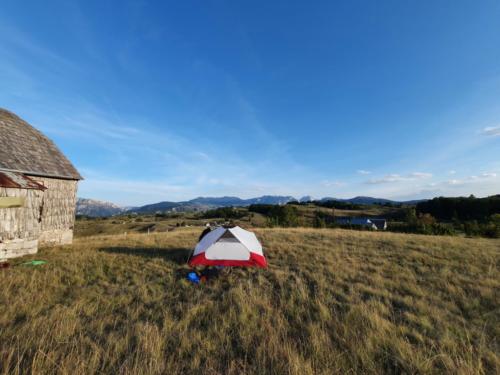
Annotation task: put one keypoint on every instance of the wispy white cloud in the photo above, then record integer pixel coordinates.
(452, 172)
(329, 183)
(386, 179)
(492, 131)
(489, 175)
(94, 124)
(147, 163)
(392, 178)
(362, 171)
(203, 155)
(21, 43)
(483, 184)
(455, 182)
(420, 175)
(486, 176)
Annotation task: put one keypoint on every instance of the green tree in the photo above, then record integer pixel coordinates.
(411, 215)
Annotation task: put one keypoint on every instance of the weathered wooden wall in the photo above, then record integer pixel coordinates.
(46, 218)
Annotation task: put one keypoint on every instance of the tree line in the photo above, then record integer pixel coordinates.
(283, 216)
(461, 208)
(439, 216)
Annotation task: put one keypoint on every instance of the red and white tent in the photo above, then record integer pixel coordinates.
(229, 247)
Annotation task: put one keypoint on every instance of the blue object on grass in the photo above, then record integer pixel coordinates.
(193, 277)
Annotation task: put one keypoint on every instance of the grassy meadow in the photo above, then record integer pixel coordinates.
(331, 302)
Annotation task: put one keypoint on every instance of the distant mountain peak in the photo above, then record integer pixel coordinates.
(96, 208)
(207, 203)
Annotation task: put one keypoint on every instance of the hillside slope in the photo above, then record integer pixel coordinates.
(331, 302)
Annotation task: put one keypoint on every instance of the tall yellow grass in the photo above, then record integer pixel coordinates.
(331, 302)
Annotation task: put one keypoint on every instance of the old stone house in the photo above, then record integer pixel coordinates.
(38, 187)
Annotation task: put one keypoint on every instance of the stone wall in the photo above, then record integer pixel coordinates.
(20, 226)
(55, 237)
(58, 211)
(46, 218)
(17, 247)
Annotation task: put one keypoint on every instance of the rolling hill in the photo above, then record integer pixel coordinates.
(96, 208)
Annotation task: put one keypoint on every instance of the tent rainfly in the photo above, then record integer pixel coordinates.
(229, 247)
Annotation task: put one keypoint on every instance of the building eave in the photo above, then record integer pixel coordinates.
(41, 174)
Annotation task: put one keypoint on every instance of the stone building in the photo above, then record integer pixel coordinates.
(37, 190)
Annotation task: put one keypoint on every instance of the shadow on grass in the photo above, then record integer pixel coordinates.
(179, 256)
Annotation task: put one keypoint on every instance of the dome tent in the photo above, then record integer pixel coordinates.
(229, 247)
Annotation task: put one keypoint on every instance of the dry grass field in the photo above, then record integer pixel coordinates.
(331, 302)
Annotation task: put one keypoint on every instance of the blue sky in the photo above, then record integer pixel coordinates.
(172, 100)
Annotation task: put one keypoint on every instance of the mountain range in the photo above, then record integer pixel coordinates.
(96, 208)
(370, 200)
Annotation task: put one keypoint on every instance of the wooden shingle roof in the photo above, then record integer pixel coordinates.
(19, 181)
(25, 149)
